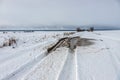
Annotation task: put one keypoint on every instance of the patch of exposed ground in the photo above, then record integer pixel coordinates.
(71, 43)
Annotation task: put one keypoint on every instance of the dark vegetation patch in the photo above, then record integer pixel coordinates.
(71, 43)
(9, 42)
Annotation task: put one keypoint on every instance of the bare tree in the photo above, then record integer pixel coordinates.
(91, 29)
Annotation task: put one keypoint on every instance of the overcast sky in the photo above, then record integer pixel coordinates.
(63, 12)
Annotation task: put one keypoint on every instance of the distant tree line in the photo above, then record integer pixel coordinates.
(91, 29)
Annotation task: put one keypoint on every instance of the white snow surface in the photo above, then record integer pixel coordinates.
(29, 59)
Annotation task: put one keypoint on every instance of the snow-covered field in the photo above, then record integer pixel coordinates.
(29, 59)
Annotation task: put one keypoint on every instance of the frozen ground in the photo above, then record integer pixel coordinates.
(29, 59)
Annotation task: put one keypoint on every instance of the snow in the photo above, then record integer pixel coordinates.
(29, 60)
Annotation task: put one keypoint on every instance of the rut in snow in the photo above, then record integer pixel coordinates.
(25, 67)
(69, 70)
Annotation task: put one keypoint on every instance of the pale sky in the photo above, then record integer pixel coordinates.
(63, 12)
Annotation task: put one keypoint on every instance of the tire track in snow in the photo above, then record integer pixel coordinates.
(49, 67)
(69, 69)
(26, 67)
(76, 64)
(23, 52)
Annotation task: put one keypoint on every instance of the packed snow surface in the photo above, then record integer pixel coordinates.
(29, 60)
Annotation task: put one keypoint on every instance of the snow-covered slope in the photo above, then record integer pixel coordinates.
(30, 61)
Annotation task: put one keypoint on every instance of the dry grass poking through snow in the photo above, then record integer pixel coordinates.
(68, 33)
(9, 42)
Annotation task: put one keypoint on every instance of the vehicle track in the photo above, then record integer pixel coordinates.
(25, 67)
(49, 66)
(23, 52)
(69, 70)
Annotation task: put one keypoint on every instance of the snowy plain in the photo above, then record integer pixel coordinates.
(28, 60)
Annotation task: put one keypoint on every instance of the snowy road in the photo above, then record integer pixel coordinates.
(98, 61)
